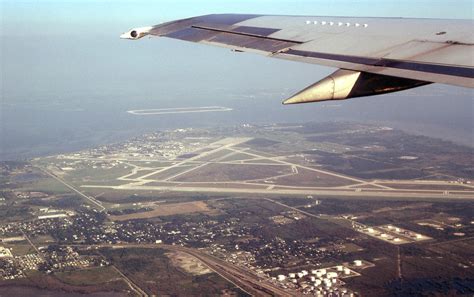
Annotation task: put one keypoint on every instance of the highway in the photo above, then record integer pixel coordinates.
(245, 280)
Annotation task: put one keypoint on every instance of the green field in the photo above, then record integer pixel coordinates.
(21, 249)
(88, 277)
(48, 185)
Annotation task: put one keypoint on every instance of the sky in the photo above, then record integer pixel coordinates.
(66, 77)
(81, 16)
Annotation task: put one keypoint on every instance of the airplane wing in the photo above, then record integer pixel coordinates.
(374, 55)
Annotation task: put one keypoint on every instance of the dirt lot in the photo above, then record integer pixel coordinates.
(167, 210)
(188, 263)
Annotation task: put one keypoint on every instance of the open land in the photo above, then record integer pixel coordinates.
(344, 160)
(166, 210)
(236, 211)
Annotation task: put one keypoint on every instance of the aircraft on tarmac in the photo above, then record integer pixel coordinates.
(374, 55)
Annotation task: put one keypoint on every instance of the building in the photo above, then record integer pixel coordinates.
(5, 253)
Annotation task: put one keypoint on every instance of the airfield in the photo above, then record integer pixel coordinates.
(238, 165)
(160, 111)
(255, 205)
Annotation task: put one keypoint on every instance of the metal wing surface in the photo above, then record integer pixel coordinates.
(376, 55)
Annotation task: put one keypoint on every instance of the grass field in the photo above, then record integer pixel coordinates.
(88, 277)
(427, 186)
(42, 239)
(228, 172)
(21, 249)
(135, 196)
(48, 185)
(311, 178)
(97, 174)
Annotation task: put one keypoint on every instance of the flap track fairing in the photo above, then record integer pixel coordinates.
(345, 84)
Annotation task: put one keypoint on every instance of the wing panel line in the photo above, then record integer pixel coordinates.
(245, 34)
(388, 63)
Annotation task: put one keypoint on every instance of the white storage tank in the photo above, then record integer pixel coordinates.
(331, 274)
(281, 277)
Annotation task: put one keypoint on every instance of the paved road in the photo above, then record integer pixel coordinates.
(94, 201)
(32, 244)
(134, 287)
(245, 280)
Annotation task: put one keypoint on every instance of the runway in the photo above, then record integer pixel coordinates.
(299, 192)
(160, 111)
(204, 172)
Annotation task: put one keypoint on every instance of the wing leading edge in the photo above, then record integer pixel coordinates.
(375, 55)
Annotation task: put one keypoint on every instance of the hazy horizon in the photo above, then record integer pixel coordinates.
(68, 80)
